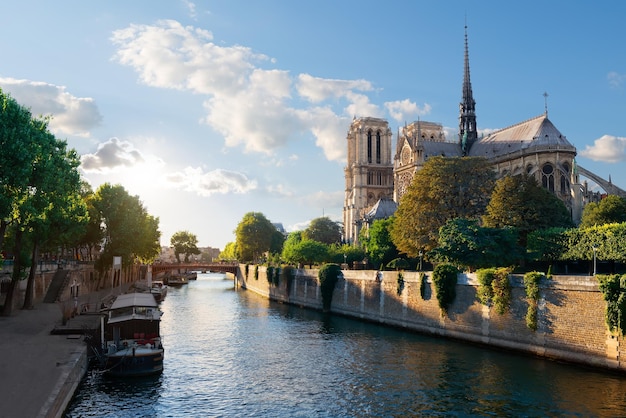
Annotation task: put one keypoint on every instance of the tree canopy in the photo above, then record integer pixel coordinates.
(256, 236)
(443, 189)
(611, 209)
(129, 231)
(377, 242)
(323, 230)
(40, 202)
(464, 243)
(520, 202)
(184, 242)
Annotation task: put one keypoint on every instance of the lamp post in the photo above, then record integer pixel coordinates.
(595, 251)
(421, 254)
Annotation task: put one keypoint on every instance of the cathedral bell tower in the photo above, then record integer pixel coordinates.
(368, 172)
(467, 116)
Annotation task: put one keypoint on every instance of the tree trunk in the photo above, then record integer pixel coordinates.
(8, 302)
(3, 230)
(28, 298)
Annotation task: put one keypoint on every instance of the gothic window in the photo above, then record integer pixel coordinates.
(369, 147)
(547, 177)
(564, 185)
(378, 147)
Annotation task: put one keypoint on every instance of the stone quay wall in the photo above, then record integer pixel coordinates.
(571, 311)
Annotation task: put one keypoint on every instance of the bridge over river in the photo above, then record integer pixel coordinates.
(202, 267)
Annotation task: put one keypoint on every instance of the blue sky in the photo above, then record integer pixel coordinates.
(208, 110)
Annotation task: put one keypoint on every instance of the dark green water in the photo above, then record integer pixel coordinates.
(234, 354)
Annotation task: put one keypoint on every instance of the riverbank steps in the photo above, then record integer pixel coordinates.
(570, 317)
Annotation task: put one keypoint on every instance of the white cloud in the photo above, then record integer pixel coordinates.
(317, 89)
(191, 7)
(71, 115)
(403, 110)
(250, 106)
(112, 155)
(205, 184)
(608, 148)
(615, 79)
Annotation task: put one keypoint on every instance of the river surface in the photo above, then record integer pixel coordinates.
(231, 353)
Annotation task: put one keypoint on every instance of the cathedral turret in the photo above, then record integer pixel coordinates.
(467, 116)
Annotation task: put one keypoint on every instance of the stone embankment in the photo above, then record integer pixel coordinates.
(571, 311)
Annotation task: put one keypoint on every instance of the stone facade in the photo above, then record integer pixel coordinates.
(571, 325)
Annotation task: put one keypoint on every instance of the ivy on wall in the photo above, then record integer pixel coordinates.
(613, 287)
(400, 283)
(494, 288)
(328, 275)
(422, 277)
(445, 280)
(531, 285)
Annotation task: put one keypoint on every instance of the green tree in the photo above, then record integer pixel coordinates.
(323, 230)
(520, 202)
(255, 235)
(18, 152)
(43, 205)
(546, 244)
(129, 231)
(345, 253)
(465, 244)
(444, 189)
(228, 253)
(611, 209)
(184, 242)
(298, 250)
(377, 242)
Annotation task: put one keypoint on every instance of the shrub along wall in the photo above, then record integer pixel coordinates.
(570, 311)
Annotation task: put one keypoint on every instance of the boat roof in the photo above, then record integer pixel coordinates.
(134, 299)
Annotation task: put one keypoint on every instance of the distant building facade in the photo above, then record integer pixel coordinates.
(376, 181)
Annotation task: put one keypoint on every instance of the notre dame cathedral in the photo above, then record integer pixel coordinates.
(376, 179)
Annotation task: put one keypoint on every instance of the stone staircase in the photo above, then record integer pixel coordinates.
(59, 281)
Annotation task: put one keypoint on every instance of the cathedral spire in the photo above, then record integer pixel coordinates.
(467, 116)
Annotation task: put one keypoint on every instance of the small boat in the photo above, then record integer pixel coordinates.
(177, 280)
(132, 337)
(192, 275)
(158, 290)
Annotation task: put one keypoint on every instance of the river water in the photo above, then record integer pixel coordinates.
(231, 353)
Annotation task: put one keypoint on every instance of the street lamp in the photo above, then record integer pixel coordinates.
(421, 254)
(595, 251)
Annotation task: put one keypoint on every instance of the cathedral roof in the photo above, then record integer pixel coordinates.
(531, 135)
(440, 148)
(383, 209)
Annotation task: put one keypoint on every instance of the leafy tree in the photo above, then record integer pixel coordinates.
(129, 231)
(229, 252)
(255, 235)
(546, 244)
(464, 243)
(323, 230)
(444, 189)
(611, 209)
(298, 250)
(520, 202)
(609, 241)
(18, 152)
(345, 253)
(43, 205)
(184, 242)
(377, 242)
